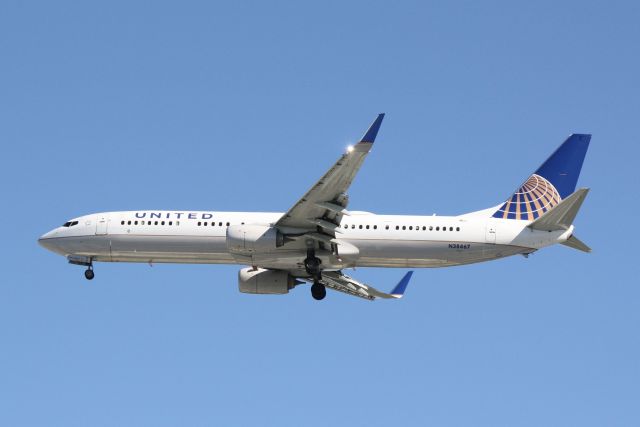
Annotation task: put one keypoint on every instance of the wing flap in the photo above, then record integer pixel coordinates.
(334, 228)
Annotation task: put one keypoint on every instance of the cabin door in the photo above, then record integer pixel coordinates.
(490, 234)
(101, 225)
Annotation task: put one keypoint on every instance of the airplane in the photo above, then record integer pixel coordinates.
(318, 237)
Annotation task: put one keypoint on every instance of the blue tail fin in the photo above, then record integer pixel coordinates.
(553, 181)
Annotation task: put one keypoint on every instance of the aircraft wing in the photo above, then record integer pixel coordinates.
(324, 204)
(340, 282)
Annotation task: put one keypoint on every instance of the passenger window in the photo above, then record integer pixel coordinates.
(177, 222)
(121, 222)
(360, 227)
(142, 222)
(345, 226)
(162, 222)
(170, 222)
(367, 227)
(128, 222)
(424, 228)
(199, 223)
(135, 223)
(353, 226)
(431, 228)
(220, 224)
(206, 223)
(450, 228)
(437, 228)
(397, 227)
(228, 224)
(457, 228)
(386, 227)
(404, 227)
(155, 223)
(375, 227)
(411, 227)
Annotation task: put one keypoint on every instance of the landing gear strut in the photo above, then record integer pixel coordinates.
(318, 291)
(85, 262)
(312, 265)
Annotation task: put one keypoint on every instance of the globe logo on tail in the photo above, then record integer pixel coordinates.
(536, 196)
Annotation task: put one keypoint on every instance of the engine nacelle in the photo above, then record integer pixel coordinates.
(247, 239)
(263, 281)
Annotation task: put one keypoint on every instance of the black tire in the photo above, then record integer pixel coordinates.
(89, 274)
(318, 291)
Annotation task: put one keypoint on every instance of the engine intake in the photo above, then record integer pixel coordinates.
(263, 281)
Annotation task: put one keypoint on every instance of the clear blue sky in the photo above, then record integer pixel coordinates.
(241, 106)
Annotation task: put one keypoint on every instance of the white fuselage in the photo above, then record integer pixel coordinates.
(363, 239)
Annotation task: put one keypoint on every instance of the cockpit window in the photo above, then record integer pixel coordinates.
(70, 223)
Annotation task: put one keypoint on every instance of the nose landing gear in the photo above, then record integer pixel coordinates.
(85, 262)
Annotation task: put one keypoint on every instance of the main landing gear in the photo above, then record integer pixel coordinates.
(318, 291)
(312, 265)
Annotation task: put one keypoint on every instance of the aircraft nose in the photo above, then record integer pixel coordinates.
(47, 240)
(46, 236)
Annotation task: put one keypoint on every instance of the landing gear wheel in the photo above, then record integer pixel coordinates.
(89, 274)
(318, 291)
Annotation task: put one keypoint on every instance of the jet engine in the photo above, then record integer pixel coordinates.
(262, 281)
(246, 239)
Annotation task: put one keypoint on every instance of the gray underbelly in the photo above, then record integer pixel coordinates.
(421, 253)
(150, 248)
(213, 250)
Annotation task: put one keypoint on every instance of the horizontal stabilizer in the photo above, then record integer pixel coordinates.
(561, 216)
(575, 243)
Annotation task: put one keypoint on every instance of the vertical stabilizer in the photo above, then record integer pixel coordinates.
(552, 182)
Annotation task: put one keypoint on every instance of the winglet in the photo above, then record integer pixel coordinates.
(398, 291)
(372, 132)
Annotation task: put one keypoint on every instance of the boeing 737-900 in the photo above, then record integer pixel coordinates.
(318, 238)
